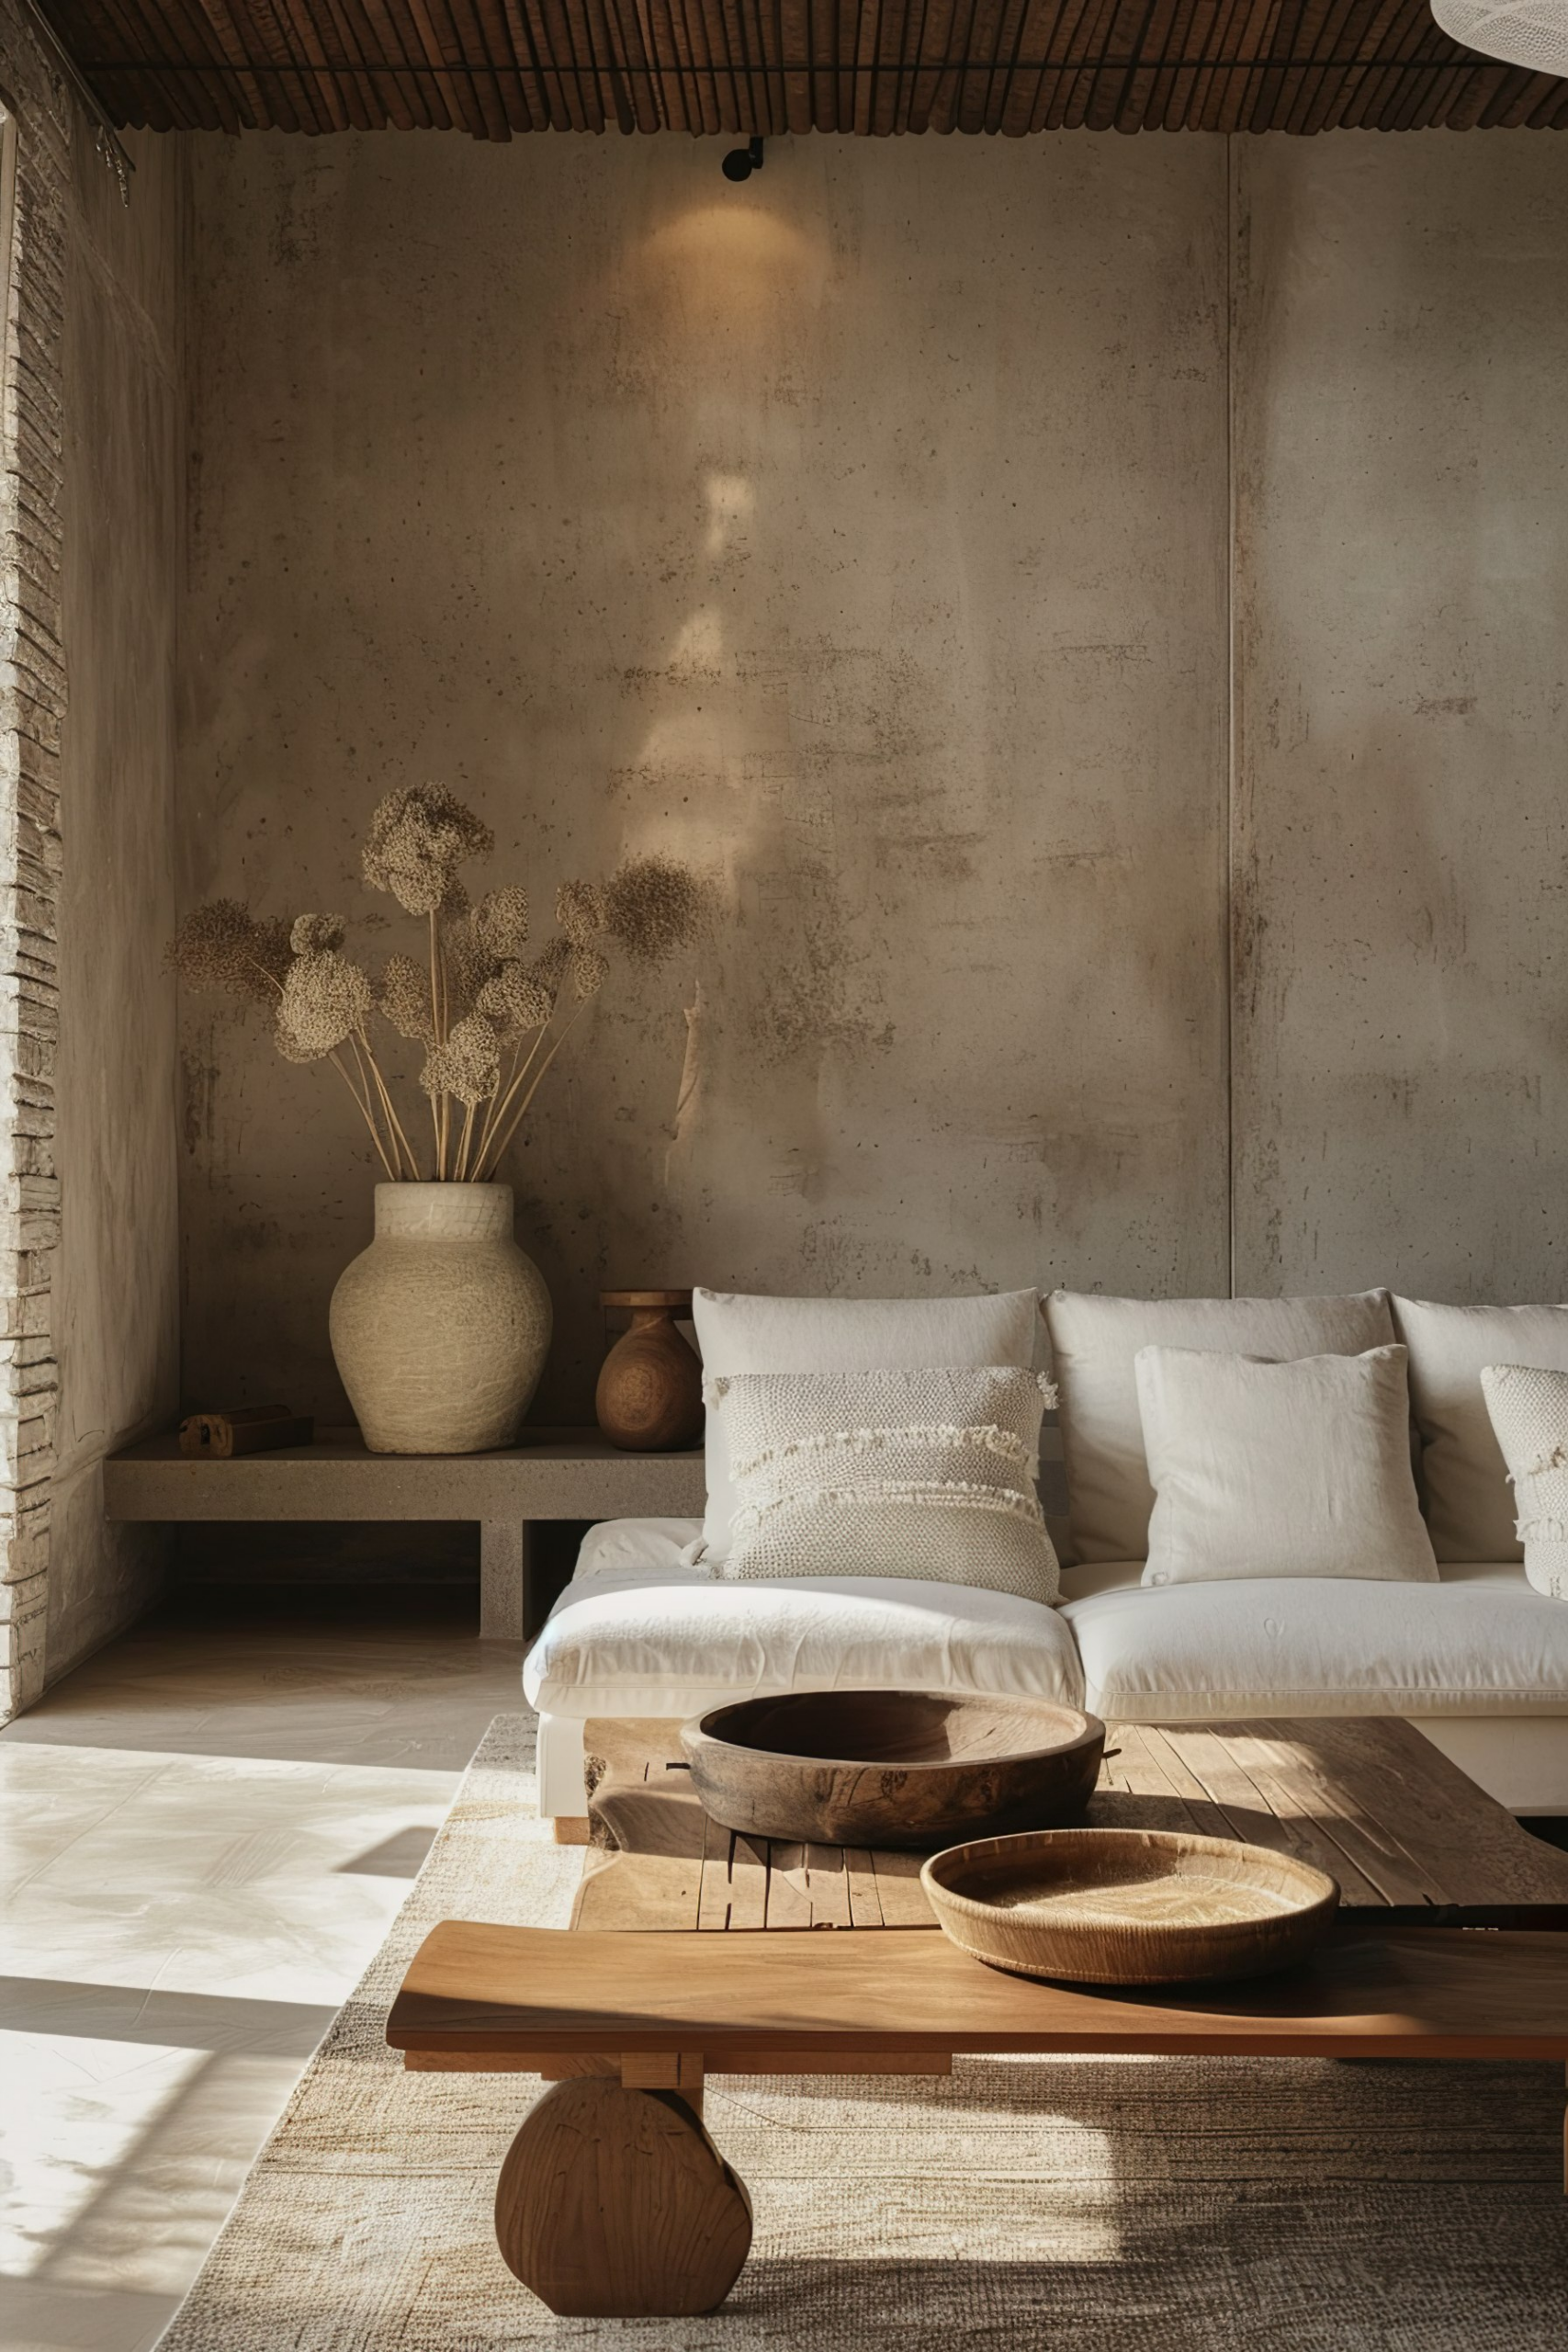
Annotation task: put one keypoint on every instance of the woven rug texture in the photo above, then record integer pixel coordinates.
(1045, 2205)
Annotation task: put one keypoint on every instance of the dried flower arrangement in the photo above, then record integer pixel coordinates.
(484, 1012)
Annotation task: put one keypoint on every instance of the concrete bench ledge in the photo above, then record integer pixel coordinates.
(558, 1473)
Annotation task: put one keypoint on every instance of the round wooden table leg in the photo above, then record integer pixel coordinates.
(616, 2204)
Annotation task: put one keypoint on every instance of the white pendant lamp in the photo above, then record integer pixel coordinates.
(1531, 33)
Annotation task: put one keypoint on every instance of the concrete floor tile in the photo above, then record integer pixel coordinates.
(205, 1833)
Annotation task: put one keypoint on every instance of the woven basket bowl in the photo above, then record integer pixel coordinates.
(1129, 1906)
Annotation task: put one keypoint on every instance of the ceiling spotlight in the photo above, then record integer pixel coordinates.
(741, 161)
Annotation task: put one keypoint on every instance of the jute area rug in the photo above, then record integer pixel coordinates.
(1088, 2205)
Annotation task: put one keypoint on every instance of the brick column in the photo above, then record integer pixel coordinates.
(32, 708)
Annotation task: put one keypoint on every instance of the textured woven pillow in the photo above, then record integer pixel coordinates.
(1530, 1416)
(739, 1332)
(923, 1473)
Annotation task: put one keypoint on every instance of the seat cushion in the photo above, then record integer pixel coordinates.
(1094, 1342)
(1481, 1642)
(673, 1641)
(1464, 1480)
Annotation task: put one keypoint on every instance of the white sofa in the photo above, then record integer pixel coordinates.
(1477, 1661)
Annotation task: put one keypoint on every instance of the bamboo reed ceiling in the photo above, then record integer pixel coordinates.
(869, 67)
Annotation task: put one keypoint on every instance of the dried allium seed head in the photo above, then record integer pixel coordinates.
(418, 839)
(314, 935)
(516, 999)
(325, 1000)
(581, 911)
(268, 958)
(468, 961)
(210, 944)
(289, 1045)
(222, 945)
(589, 970)
(404, 999)
(550, 968)
(502, 918)
(468, 1066)
(655, 906)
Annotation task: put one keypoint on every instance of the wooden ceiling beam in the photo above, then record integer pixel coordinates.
(872, 68)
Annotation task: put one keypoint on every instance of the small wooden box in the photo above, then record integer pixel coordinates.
(250, 1429)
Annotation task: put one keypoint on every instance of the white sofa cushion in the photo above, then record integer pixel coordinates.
(1094, 1342)
(1294, 1469)
(901, 1473)
(1478, 1643)
(1464, 1481)
(675, 1640)
(741, 1333)
(1528, 1411)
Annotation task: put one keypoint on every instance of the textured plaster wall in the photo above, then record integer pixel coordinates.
(1402, 760)
(115, 1283)
(859, 533)
(866, 534)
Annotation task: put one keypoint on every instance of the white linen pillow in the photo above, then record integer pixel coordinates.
(926, 1473)
(1463, 1481)
(741, 1333)
(1294, 1469)
(1528, 1407)
(1093, 1342)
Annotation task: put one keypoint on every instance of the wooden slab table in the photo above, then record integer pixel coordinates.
(614, 2200)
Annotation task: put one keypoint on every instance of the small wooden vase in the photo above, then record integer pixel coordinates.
(650, 1398)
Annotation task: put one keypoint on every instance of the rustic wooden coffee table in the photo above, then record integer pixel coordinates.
(614, 2200)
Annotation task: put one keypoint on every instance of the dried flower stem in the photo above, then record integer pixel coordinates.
(463, 1146)
(270, 978)
(485, 1173)
(438, 1025)
(365, 1056)
(496, 1108)
(366, 1100)
(364, 1108)
(393, 1122)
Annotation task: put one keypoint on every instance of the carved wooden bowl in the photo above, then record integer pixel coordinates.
(1129, 1906)
(906, 1768)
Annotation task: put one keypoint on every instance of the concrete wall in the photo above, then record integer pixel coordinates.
(1402, 744)
(866, 534)
(860, 533)
(116, 1284)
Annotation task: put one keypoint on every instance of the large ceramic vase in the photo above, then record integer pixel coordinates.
(440, 1329)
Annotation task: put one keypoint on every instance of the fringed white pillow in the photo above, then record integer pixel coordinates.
(1529, 1416)
(928, 1474)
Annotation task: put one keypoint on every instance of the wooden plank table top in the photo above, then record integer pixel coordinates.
(524, 1996)
(1405, 1832)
